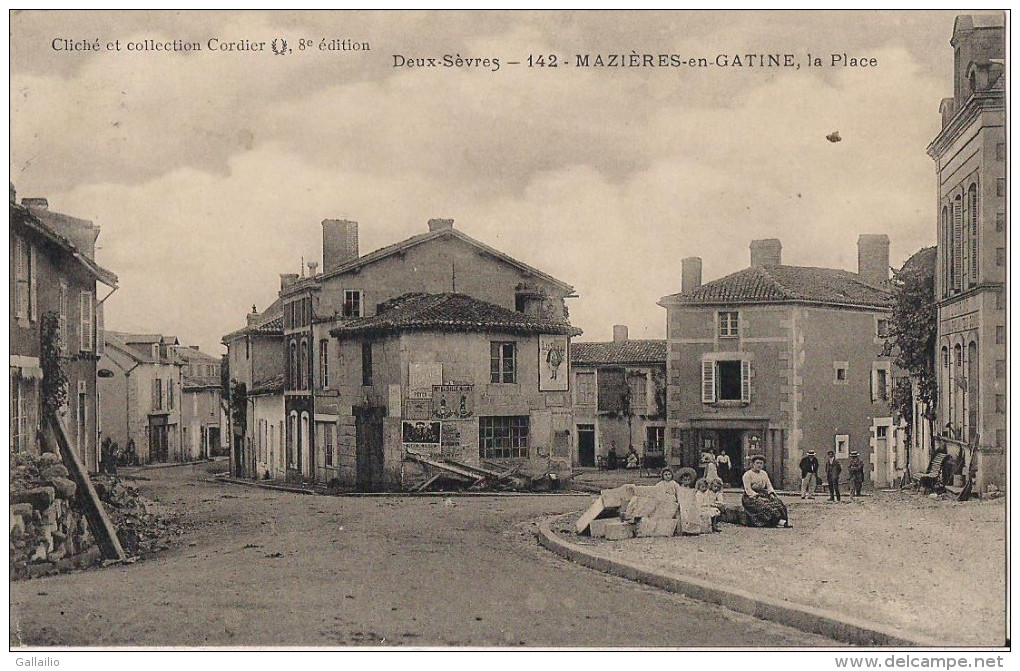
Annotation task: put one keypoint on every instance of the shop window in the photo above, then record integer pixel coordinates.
(503, 437)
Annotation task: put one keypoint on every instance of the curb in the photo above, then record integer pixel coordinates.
(806, 618)
(352, 495)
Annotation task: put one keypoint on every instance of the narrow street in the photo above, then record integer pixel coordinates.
(268, 568)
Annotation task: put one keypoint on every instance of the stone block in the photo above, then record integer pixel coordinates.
(596, 509)
(49, 459)
(55, 471)
(64, 488)
(39, 497)
(597, 528)
(40, 569)
(617, 530)
(656, 526)
(653, 492)
(616, 497)
(22, 509)
(17, 524)
(644, 506)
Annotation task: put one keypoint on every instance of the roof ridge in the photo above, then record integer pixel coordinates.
(787, 292)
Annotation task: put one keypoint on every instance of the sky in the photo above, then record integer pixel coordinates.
(210, 171)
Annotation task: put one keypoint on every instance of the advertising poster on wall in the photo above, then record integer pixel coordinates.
(553, 363)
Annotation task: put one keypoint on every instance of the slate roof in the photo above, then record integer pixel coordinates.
(448, 312)
(786, 284)
(648, 352)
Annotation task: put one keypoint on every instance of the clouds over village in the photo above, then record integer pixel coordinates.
(209, 173)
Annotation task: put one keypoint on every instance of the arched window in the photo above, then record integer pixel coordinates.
(973, 390)
(293, 366)
(972, 199)
(292, 440)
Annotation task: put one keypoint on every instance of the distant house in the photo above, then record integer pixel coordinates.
(970, 158)
(141, 396)
(255, 362)
(777, 359)
(53, 271)
(448, 376)
(203, 416)
(320, 438)
(619, 397)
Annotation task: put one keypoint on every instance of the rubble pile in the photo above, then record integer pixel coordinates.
(143, 527)
(629, 511)
(48, 532)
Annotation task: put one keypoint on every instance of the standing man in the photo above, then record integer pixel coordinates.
(856, 467)
(832, 472)
(808, 475)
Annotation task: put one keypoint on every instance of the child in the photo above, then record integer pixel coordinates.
(713, 500)
(690, 514)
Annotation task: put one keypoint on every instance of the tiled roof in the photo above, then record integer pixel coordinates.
(22, 215)
(786, 284)
(272, 327)
(630, 351)
(273, 385)
(448, 312)
(269, 322)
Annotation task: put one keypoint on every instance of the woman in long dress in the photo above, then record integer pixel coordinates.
(760, 500)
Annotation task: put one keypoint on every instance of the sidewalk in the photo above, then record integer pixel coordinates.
(932, 572)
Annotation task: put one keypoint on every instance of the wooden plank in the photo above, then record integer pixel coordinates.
(484, 471)
(423, 486)
(99, 523)
(449, 468)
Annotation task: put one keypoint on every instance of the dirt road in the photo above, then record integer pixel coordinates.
(263, 568)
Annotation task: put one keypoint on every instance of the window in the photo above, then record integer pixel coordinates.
(327, 443)
(20, 401)
(292, 439)
(1000, 368)
(324, 364)
(882, 328)
(726, 380)
(100, 329)
(638, 386)
(157, 394)
(1000, 151)
(1000, 187)
(353, 300)
(972, 203)
(842, 446)
(656, 439)
(945, 357)
(293, 365)
(957, 269)
(1000, 221)
(86, 321)
(366, 364)
(585, 388)
(247, 347)
(728, 324)
(170, 394)
(303, 372)
(1000, 302)
(880, 376)
(24, 279)
(1000, 404)
(1000, 335)
(503, 362)
(841, 372)
(1000, 256)
(881, 431)
(612, 390)
(503, 437)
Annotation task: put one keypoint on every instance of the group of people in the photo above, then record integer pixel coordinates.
(631, 460)
(716, 464)
(698, 500)
(833, 470)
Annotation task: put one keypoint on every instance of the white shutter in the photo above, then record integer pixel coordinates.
(745, 380)
(957, 245)
(874, 384)
(155, 394)
(19, 276)
(708, 381)
(100, 329)
(87, 322)
(33, 270)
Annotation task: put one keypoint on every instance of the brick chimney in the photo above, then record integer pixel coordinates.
(313, 267)
(690, 273)
(287, 279)
(768, 252)
(339, 243)
(619, 334)
(440, 224)
(873, 259)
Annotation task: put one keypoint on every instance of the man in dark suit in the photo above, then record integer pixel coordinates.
(832, 472)
(808, 475)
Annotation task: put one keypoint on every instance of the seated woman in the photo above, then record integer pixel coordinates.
(632, 458)
(760, 500)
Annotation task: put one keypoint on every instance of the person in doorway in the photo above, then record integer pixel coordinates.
(723, 465)
(856, 468)
(833, 470)
(633, 460)
(709, 467)
(760, 501)
(808, 475)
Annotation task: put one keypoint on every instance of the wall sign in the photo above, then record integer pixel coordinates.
(553, 363)
(453, 401)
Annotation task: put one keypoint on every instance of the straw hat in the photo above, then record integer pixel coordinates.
(686, 470)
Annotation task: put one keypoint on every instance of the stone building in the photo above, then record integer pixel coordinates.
(203, 417)
(970, 161)
(53, 270)
(255, 362)
(778, 359)
(619, 397)
(140, 395)
(351, 287)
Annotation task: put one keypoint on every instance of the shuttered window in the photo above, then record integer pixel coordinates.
(100, 329)
(726, 380)
(957, 244)
(708, 381)
(745, 381)
(974, 233)
(87, 321)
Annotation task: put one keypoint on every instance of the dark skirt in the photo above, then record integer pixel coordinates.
(765, 511)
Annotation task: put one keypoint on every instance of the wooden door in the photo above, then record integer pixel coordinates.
(369, 460)
(585, 444)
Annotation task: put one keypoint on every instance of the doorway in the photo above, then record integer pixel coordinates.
(159, 446)
(585, 444)
(731, 442)
(369, 461)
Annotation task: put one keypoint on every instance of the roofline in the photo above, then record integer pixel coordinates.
(664, 302)
(395, 329)
(35, 223)
(414, 241)
(624, 362)
(978, 101)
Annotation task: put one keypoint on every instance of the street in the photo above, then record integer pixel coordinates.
(265, 568)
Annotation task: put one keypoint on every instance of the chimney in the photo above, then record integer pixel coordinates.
(339, 243)
(287, 279)
(312, 267)
(440, 224)
(873, 259)
(690, 273)
(768, 252)
(40, 203)
(619, 334)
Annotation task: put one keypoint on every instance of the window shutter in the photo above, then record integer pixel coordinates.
(19, 274)
(874, 384)
(974, 232)
(33, 270)
(155, 394)
(86, 321)
(708, 381)
(957, 245)
(745, 380)
(100, 329)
